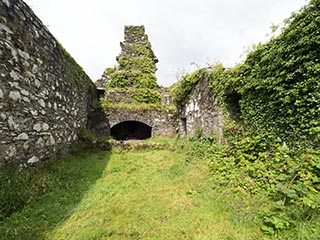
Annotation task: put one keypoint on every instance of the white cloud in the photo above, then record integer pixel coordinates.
(181, 32)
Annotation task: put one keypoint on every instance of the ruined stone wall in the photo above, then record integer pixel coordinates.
(202, 112)
(44, 94)
(162, 118)
(163, 122)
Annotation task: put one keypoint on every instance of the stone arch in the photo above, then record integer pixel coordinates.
(130, 126)
(130, 117)
(127, 130)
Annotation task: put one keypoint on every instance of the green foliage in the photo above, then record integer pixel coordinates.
(140, 108)
(134, 78)
(91, 141)
(143, 49)
(34, 201)
(137, 63)
(145, 95)
(109, 71)
(18, 187)
(263, 165)
(276, 90)
(140, 194)
(96, 103)
(184, 89)
(140, 63)
(134, 96)
(138, 79)
(279, 81)
(120, 80)
(72, 71)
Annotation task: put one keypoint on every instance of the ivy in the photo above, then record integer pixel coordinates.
(137, 62)
(140, 63)
(273, 144)
(262, 165)
(184, 88)
(279, 81)
(145, 95)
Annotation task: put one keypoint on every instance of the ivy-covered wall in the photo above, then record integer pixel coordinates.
(279, 83)
(137, 62)
(132, 92)
(199, 106)
(276, 91)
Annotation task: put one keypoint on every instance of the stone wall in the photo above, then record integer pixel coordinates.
(202, 113)
(163, 122)
(44, 94)
(121, 108)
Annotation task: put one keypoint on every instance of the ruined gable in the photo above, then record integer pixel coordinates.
(132, 93)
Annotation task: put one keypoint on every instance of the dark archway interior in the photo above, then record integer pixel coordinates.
(131, 130)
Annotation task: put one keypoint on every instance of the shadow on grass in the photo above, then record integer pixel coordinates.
(60, 187)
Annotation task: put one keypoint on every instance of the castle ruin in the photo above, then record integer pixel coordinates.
(46, 98)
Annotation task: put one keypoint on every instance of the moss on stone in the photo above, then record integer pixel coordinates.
(74, 73)
(137, 62)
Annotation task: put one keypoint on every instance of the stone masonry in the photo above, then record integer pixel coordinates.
(162, 120)
(44, 95)
(202, 113)
(135, 75)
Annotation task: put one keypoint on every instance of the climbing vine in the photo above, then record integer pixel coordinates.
(279, 82)
(273, 145)
(184, 88)
(137, 62)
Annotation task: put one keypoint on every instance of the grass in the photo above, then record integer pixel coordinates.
(142, 194)
(63, 184)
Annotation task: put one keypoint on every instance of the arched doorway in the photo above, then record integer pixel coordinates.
(131, 130)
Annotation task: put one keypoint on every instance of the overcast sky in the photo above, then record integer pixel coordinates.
(181, 31)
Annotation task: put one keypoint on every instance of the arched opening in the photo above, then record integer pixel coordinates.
(131, 130)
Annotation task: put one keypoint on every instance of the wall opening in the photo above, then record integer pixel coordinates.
(100, 93)
(131, 130)
(183, 127)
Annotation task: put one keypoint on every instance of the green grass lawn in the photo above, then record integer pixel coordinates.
(140, 194)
